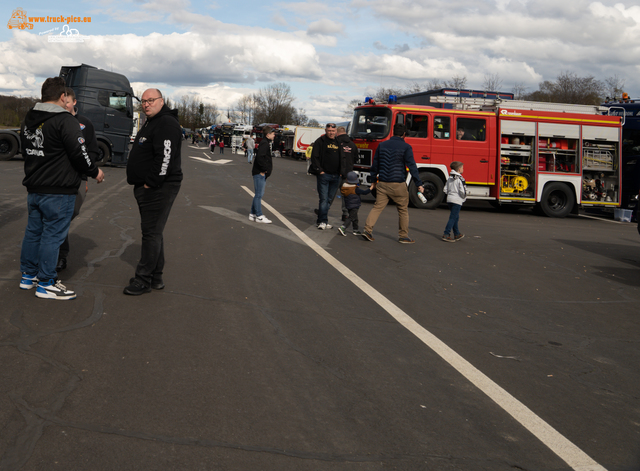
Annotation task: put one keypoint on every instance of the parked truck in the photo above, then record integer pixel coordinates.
(303, 138)
(106, 98)
(558, 157)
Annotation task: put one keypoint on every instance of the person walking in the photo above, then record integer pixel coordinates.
(391, 159)
(251, 145)
(154, 170)
(55, 158)
(456, 190)
(261, 170)
(351, 193)
(327, 162)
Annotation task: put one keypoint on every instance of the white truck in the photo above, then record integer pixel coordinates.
(304, 137)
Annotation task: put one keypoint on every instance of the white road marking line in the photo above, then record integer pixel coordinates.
(558, 443)
(219, 162)
(601, 219)
(207, 155)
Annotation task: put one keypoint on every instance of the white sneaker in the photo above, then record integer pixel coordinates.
(263, 219)
(54, 289)
(322, 226)
(252, 217)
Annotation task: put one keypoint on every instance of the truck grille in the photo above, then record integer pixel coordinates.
(364, 158)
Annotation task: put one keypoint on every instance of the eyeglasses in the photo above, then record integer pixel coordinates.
(150, 101)
(330, 125)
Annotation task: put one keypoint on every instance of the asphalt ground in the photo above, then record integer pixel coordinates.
(282, 347)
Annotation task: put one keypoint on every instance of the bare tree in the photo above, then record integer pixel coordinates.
(348, 111)
(313, 123)
(414, 87)
(519, 91)
(492, 83)
(245, 109)
(614, 86)
(274, 104)
(456, 82)
(434, 84)
(569, 88)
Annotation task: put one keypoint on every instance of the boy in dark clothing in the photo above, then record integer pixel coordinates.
(351, 193)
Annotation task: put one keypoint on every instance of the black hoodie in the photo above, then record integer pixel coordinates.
(54, 151)
(155, 154)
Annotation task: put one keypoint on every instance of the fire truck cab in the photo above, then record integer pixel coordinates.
(556, 156)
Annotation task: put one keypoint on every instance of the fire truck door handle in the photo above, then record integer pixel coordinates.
(484, 161)
(426, 157)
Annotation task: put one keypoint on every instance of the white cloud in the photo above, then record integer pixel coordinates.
(325, 27)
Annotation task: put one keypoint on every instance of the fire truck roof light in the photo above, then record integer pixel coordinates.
(367, 99)
(393, 99)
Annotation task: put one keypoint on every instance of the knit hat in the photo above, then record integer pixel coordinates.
(352, 177)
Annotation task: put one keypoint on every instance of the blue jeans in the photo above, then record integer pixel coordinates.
(259, 182)
(453, 219)
(47, 227)
(250, 155)
(327, 187)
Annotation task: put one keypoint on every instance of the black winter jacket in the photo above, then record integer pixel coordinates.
(263, 161)
(321, 161)
(155, 156)
(350, 152)
(54, 151)
(391, 160)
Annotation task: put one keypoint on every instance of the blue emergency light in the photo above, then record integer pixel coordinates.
(367, 99)
(393, 99)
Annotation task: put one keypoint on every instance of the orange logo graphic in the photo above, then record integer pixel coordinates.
(19, 20)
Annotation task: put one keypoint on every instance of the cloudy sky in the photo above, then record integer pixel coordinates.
(328, 52)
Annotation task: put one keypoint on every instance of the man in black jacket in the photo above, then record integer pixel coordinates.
(154, 169)
(327, 162)
(350, 153)
(55, 158)
(91, 143)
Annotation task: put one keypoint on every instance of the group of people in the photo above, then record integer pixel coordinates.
(332, 159)
(60, 152)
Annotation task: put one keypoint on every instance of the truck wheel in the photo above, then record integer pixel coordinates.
(432, 191)
(557, 200)
(104, 154)
(8, 146)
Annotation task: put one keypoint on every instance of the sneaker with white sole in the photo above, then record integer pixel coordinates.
(263, 219)
(252, 217)
(323, 225)
(28, 281)
(54, 289)
(342, 231)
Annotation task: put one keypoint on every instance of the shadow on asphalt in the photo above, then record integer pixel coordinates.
(627, 254)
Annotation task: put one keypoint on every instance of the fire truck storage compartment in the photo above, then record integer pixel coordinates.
(517, 150)
(558, 148)
(600, 164)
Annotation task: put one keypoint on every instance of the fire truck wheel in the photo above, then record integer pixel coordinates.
(557, 200)
(433, 186)
(104, 154)
(8, 146)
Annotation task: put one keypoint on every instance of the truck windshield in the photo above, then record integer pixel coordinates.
(371, 123)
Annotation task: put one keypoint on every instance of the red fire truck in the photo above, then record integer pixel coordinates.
(557, 156)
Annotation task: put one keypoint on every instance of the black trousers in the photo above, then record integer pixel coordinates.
(352, 218)
(154, 205)
(80, 197)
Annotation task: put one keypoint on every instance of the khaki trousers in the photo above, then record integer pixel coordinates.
(400, 195)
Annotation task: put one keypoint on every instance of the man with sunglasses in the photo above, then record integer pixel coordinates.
(327, 163)
(154, 169)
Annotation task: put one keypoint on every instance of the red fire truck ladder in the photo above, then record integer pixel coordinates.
(487, 104)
